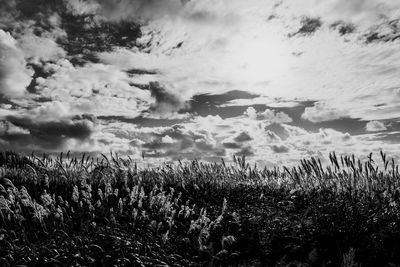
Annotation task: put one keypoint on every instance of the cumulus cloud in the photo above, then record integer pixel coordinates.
(268, 115)
(375, 126)
(182, 141)
(275, 117)
(14, 75)
(322, 112)
(167, 139)
(251, 113)
(190, 140)
(97, 89)
(40, 47)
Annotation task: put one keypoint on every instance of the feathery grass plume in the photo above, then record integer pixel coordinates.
(75, 194)
(348, 259)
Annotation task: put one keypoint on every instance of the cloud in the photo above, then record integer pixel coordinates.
(40, 47)
(167, 139)
(268, 115)
(275, 117)
(264, 100)
(120, 89)
(243, 137)
(98, 89)
(7, 128)
(80, 7)
(308, 26)
(190, 140)
(246, 151)
(280, 148)
(375, 126)
(321, 111)
(157, 145)
(267, 66)
(166, 102)
(251, 113)
(182, 141)
(117, 10)
(27, 134)
(231, 145)
(362, 12)
(14, 76)
(277, 130)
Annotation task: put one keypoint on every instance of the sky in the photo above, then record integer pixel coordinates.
(275, 81)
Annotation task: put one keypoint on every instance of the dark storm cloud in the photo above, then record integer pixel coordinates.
(47, 135)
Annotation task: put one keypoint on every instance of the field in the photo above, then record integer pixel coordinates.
(108, 212)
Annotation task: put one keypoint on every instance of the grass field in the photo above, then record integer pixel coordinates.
(108, 212)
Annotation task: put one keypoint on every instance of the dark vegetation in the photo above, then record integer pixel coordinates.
(109, 212)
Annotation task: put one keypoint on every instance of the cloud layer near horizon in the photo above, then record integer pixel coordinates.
(200, 79)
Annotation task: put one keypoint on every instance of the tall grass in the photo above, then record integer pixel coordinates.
(206, 213)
